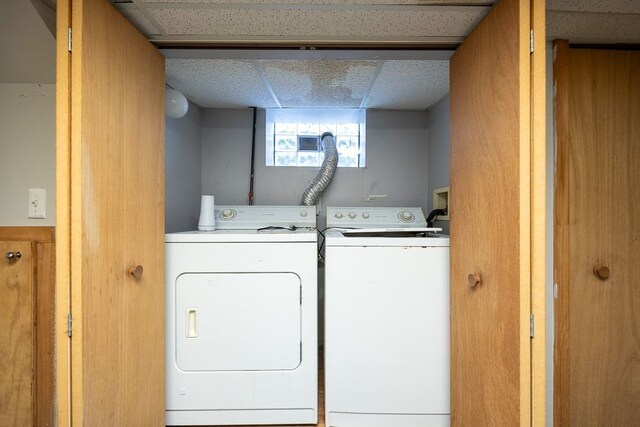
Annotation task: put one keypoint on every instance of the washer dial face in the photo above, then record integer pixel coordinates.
(228, 214)
(406, 216)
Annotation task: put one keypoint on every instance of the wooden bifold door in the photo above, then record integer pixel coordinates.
(597, 231)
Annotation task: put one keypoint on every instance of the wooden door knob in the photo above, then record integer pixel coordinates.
(136, 272)
(474, 280)
(602, 272)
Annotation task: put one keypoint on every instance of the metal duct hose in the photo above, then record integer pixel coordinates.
(323, 179)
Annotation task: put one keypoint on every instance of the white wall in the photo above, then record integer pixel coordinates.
(396, 163)
(439, 152)
(27, 151)
(182, 173)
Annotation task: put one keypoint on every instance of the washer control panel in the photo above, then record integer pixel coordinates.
(376, 217)
(254, 217)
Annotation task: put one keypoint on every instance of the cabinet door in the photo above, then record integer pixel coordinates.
(597, 369)
(114, 163)
(17, 342)
(491, 202)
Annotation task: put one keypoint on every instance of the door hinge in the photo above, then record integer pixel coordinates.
(69, 40)
(531, 325)
(531, 41)
(300, 351)
(69, 324)
(300, 294)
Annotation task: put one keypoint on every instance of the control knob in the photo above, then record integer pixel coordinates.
(338, 215)
(365, 215)
(406, 216)
(352, 215)
(227, 214)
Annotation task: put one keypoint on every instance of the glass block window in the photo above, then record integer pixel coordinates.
(293, 139)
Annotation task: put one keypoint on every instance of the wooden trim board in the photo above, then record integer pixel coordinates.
(538, 213)
(63, 211)
(28, 234)
(561, 261)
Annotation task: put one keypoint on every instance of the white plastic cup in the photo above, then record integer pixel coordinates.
(207, 220)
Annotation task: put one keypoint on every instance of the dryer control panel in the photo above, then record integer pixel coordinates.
(254, 217)
(376, 217)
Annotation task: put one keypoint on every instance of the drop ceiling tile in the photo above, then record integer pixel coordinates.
(218, 83)
(609, 6)
(409, 85)
(593, 27)
(319, 83)
(137, 18)
(318, 24)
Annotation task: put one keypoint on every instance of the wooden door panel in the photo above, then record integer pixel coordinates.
(600, 142)
(17, 344)
(489, 204)
(117, 217)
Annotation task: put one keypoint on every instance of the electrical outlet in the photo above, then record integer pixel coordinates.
(37, 203)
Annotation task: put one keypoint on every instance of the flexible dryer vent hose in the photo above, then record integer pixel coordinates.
(323, 179)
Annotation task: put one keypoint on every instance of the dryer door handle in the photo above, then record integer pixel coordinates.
(192, 323)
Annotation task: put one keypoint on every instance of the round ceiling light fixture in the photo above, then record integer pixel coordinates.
(176, 104)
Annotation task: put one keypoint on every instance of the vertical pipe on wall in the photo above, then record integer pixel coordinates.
(253, 155)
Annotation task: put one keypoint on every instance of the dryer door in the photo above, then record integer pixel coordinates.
(238, 321)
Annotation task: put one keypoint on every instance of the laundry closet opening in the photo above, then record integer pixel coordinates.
(388, 111)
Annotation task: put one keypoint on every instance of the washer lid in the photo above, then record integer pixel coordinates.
(336, 238)
(243, 236)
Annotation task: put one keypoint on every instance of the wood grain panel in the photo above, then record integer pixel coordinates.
(17, 339)
(490, 200)
(604, 315)
(117, 212)
(28, 234)
(44, 320)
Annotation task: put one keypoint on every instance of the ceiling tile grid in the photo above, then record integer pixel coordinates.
(409, 85)
(218, 83)
(318, 24)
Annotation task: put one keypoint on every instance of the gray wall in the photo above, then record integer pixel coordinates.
(439, 144)
(182, 174)
(27, 151)
(396, 163)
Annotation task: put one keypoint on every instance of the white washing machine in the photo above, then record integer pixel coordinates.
(386, 319)
(241, 319)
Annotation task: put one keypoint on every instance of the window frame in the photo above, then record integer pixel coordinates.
(306, 115)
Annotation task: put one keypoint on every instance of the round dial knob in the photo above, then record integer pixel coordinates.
(303, 214)
(406, 216)
(365, 215)
(352, 215)
(227, 214)
(338, 215)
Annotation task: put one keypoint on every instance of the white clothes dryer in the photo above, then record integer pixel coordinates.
(241, 319)
(386, 319)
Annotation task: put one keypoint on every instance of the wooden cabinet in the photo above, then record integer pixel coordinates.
(26, 326)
